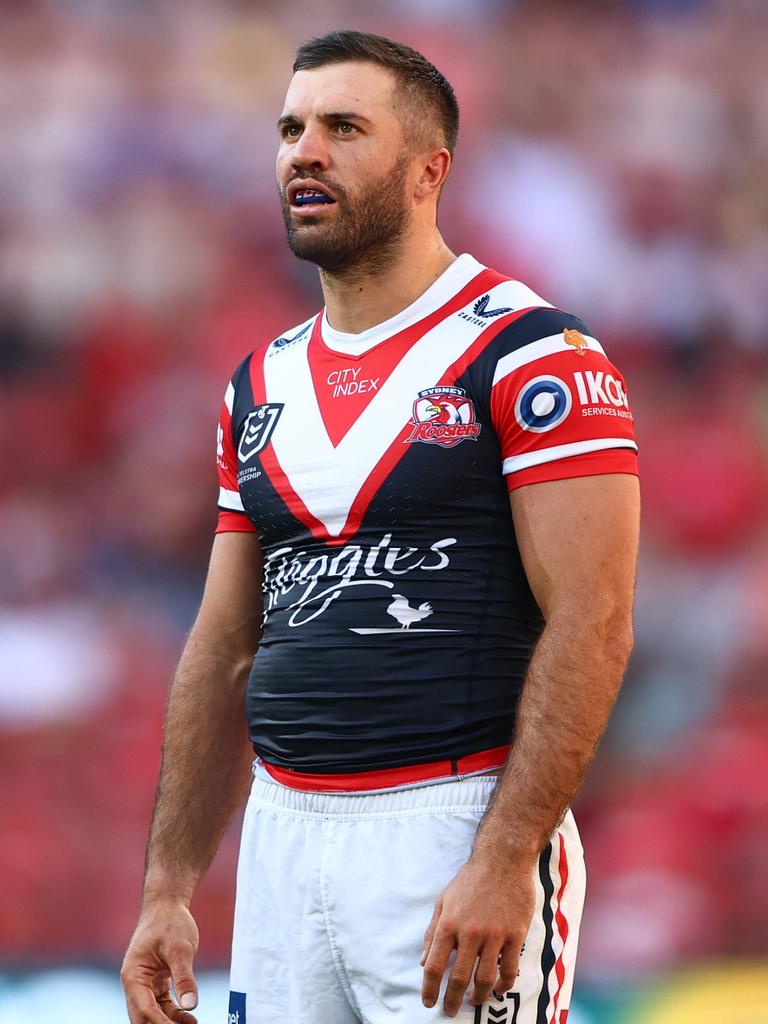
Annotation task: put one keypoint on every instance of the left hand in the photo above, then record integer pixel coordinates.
(484, 915)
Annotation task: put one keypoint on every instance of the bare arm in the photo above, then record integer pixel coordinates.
(204, 777)
(578, 542)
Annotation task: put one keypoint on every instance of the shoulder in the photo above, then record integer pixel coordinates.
(533, 327)
(298, 335)
(294, 336)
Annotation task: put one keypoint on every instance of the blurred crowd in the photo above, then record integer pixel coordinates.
(612, 155)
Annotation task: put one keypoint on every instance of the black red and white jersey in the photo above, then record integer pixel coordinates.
(398, 621)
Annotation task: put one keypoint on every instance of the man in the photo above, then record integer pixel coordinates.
(432, 487)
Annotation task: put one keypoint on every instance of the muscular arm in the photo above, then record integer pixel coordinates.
(578, 541)
(204, 777)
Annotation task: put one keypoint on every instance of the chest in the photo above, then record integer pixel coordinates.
(325, 433)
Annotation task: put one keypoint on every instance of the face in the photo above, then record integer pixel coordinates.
(343, 167)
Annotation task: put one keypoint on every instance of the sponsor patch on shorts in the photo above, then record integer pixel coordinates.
(236, 1008)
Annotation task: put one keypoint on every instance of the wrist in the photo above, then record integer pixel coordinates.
(504, 852)
(163, 890)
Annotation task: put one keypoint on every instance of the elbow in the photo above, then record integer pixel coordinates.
(616, 634)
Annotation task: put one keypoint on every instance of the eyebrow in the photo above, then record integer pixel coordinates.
(341, 115)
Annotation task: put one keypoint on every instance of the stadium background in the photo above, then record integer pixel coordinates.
(615, 157)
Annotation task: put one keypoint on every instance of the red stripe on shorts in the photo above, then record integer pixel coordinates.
(562, 927)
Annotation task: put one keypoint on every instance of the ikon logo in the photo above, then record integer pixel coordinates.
(600, 389)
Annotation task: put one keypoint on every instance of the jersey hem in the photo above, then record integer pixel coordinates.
(385, 778)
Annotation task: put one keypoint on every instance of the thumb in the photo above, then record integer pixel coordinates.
(182, 975)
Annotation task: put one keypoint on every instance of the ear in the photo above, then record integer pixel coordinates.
(433, 174)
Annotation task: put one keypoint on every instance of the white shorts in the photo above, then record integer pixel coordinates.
(334, 893)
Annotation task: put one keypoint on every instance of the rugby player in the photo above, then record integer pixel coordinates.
(421, 586)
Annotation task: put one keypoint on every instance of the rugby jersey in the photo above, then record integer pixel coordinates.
(398, 622)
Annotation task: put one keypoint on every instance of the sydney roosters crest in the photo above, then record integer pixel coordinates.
(444, 416)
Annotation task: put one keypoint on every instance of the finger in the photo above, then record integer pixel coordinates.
(143, 1008)
(461, 975)
(430, 932)
(485, 973)
(509, 965)
(436, 962)
(184, 984)
(174, 1012)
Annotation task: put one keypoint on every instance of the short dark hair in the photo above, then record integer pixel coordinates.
(414, 73)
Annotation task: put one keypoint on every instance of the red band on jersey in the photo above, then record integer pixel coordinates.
(608, 460)
(386, 778)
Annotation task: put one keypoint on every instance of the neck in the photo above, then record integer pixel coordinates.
(363, 297)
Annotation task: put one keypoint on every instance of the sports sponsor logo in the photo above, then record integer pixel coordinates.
(280, 344)
(543, 403)
(480, 312)
(257, 430)
(601, 394)
(347, 381)
(444, 416)
(312, 581)
(236, 1013)
(221, 462)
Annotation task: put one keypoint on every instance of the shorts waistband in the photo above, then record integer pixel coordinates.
(471, 793)
(388, 778)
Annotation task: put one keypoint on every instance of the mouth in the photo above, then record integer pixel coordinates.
(308, 197)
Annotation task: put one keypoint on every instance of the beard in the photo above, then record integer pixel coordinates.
(365, 235)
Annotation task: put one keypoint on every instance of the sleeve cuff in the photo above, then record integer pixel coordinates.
(234, 522)
(610, 460)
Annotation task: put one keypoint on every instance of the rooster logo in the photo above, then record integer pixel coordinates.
(441, 410)
(577, 339)
(444, 416)
(405, 615)
(400, 609)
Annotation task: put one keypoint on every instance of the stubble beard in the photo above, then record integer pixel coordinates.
(365, 236)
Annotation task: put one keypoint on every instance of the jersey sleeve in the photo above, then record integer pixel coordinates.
(559, 406)
(232, 516)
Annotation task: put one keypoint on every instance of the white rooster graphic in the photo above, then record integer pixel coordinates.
(400, 609)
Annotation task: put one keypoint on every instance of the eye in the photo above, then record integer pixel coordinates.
(291, 131)
(346, 128)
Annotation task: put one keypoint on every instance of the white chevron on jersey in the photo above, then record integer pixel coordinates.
(328, 479)
(537, 350)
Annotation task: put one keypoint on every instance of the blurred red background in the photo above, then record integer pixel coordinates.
(614, 156)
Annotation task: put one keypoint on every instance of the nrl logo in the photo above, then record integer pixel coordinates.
(444, 416)
(258, 429)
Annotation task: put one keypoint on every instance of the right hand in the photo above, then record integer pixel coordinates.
(160, 953)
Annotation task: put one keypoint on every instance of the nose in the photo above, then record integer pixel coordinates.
(310, 151)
